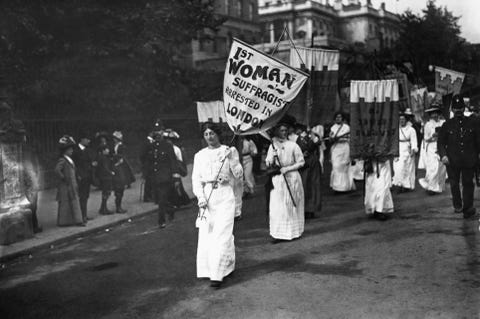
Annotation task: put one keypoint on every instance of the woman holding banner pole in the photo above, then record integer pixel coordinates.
(215, 169)
(286, 205)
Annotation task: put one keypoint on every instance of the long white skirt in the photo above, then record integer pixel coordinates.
(378, 197)
(357, 170)
(216, 248)
(238, 192)
(341, 178)
(249, 182)
(435, 171)
(404, 168)
(286, 221)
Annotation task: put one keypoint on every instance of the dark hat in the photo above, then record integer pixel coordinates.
(457, 102)
(65, 142)
(287, 120)
(83, 134)
(101, 134)
(158, 126)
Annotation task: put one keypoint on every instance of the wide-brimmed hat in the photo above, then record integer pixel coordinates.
(169, 133)
(65, 142)
(118, 135)
(408, 111)
(457, 102)
(434, 107)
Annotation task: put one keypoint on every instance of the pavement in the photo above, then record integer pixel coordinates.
(424, 262)
(53, 235)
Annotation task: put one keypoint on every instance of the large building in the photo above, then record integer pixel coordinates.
(335, 24)
(210, 50)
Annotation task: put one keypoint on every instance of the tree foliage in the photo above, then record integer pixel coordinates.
(433, 38)
(114, 55)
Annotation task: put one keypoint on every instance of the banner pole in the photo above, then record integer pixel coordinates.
(284, 177)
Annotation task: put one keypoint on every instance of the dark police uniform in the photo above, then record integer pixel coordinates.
(459, 140)
(160, 165)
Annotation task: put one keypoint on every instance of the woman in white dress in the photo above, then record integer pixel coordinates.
(341, 178)
(404, 164)
(249, 150)
(378, 198)
(214, 170)
(287, 221)
(435, 170)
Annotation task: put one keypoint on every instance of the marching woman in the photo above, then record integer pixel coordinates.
(341, 178)
(404, 164)
(287, 219)
(215, 169)
(435, 170)
(378, 198)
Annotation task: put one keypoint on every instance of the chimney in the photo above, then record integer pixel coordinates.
(369, 3)
(382, 6)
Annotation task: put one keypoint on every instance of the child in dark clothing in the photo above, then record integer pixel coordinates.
(105, 176)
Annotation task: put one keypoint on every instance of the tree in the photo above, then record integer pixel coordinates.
(111, 56)
(432, 39)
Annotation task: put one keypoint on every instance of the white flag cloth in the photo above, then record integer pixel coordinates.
(318, 58)
(373, 91)
(212, 111)
(448, 81)
(257, 89)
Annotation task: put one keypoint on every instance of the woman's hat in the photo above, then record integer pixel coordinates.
(65, 142)
(408, 111)
(101, 134)
(432, 108)
(169, 133)
(118, 135)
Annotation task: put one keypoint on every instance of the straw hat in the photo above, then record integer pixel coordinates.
(118, 135)
(65, 142)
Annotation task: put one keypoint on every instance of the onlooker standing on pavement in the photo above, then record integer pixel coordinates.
(84, 159)
(31, 169)
(161, 167)
(105, 175)
(147, 184)
(459, 147)
(69, 212)
(123, 172)
(287, 219)
(215, 169)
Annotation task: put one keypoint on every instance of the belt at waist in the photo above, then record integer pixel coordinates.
(246, 154)
(404, 140)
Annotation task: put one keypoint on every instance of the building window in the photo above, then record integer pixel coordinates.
(251, 7)
(239, 8)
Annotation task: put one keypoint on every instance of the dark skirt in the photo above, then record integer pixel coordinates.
(311, 180)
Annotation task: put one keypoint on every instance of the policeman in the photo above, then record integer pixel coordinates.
(459, 146)
(161, 167)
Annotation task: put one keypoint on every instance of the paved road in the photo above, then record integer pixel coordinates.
(423, 263)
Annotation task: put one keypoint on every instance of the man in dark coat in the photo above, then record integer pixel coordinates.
(160, 165)
(84, 159)
(459, 146)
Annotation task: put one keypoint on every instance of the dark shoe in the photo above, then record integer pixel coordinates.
(89, 218)
(82, 224)
(163, 225)
(121, 210)
(37, 229)
(470, 214)
(276, 241)
(380, 216)
(215, 284)
(457, 210)
(238, 218)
